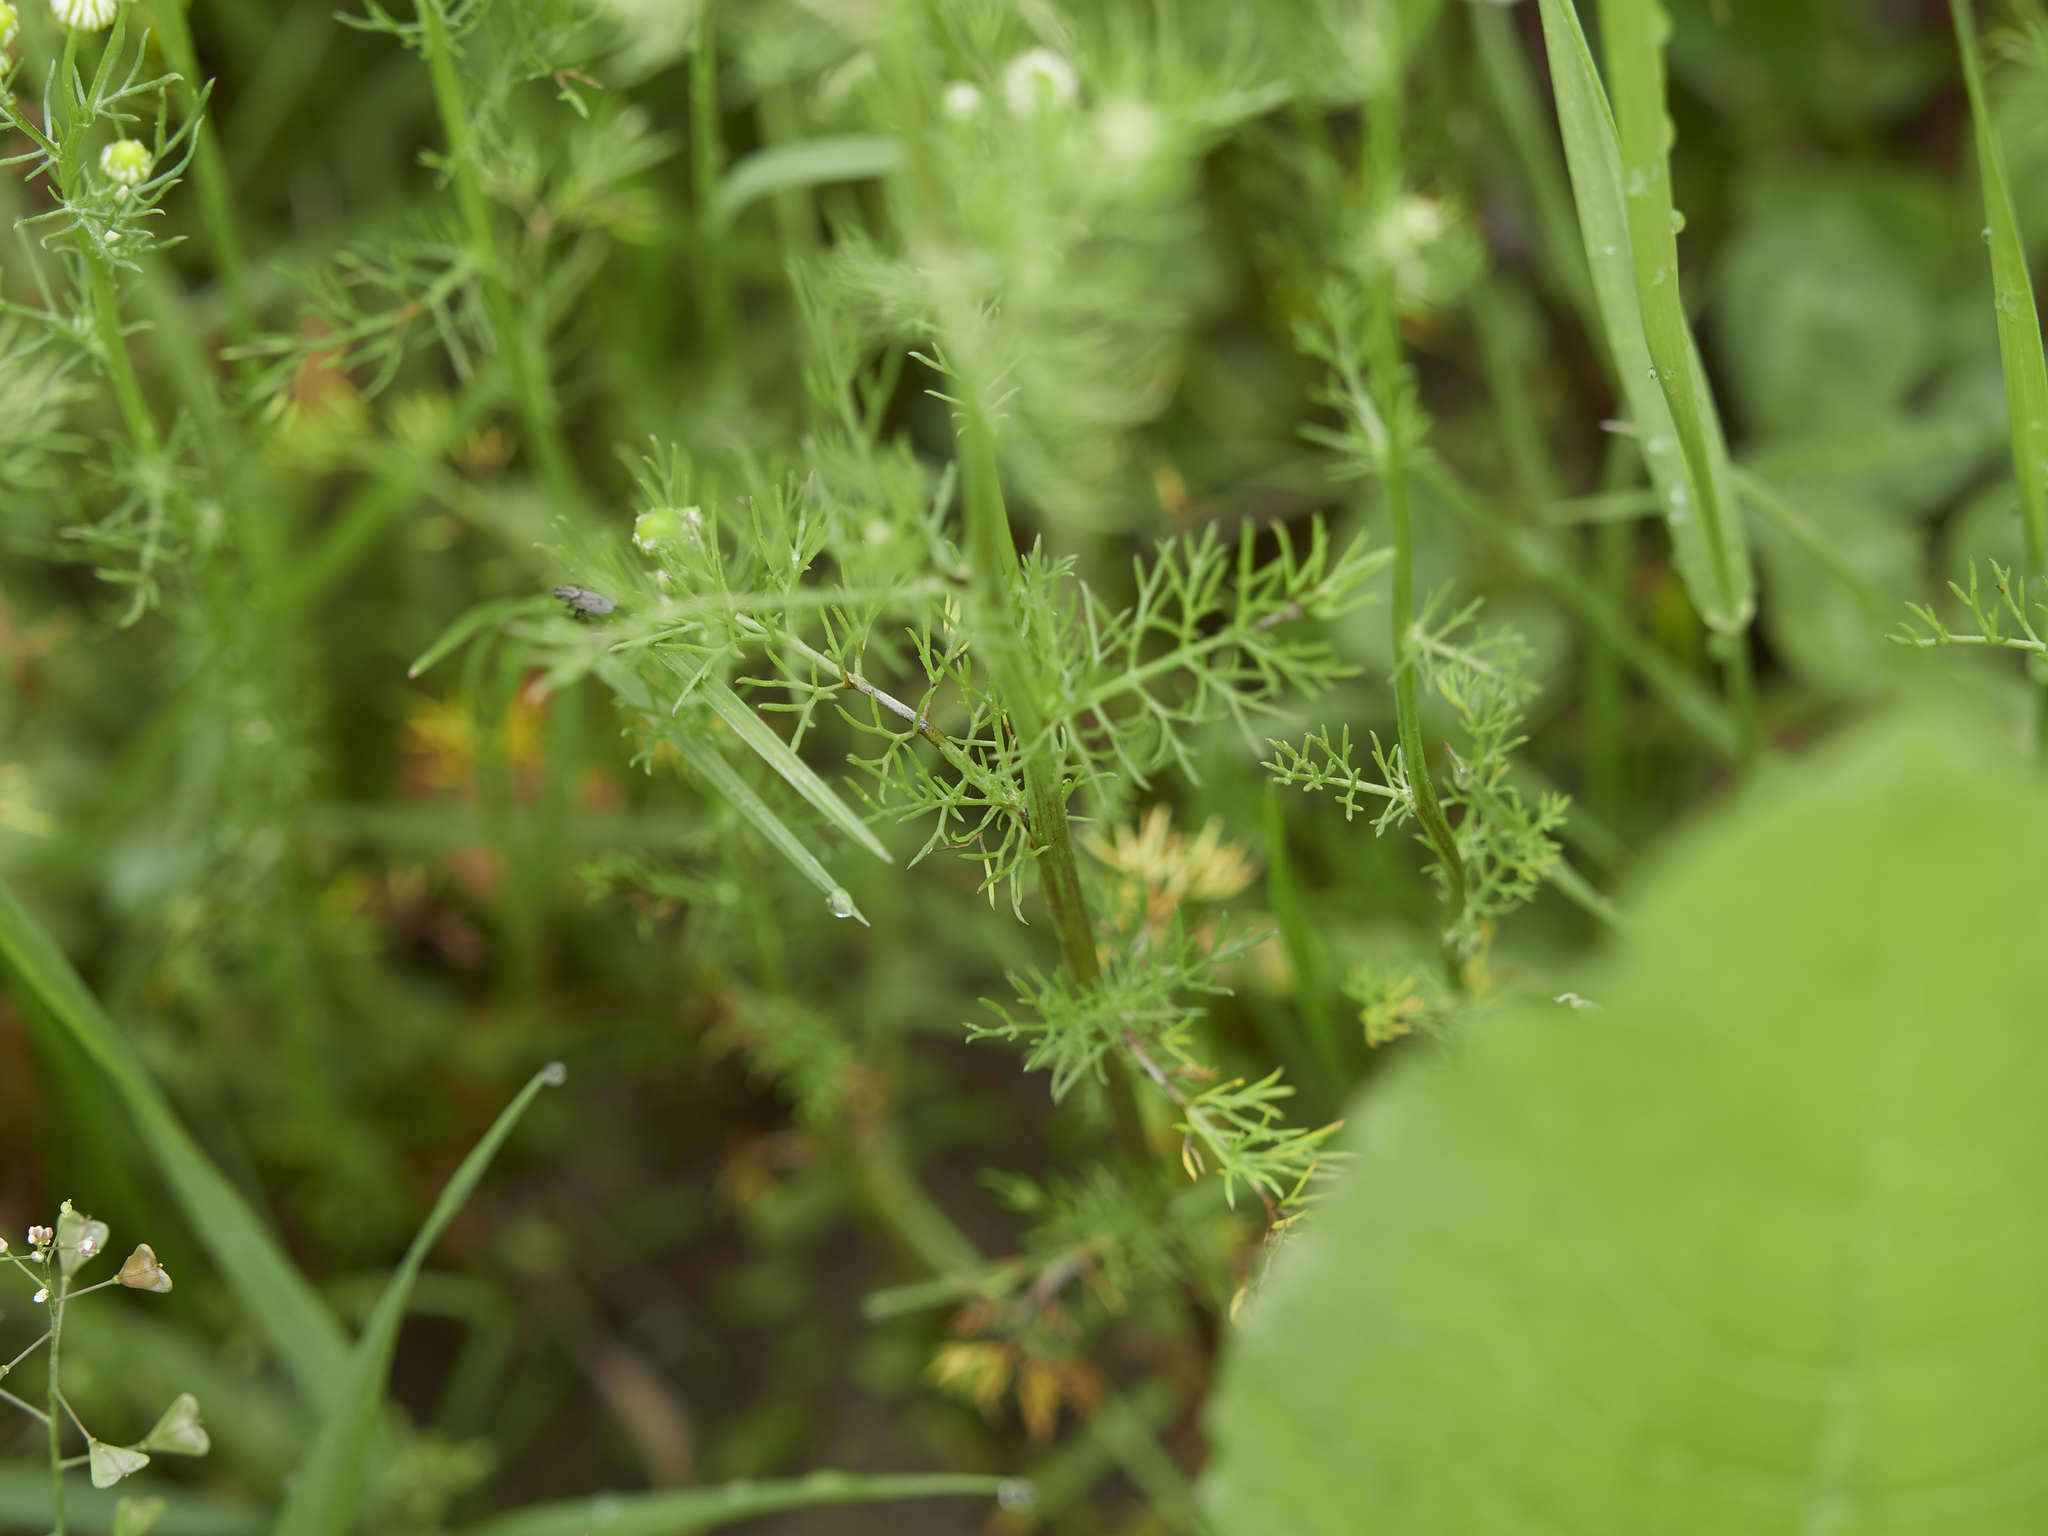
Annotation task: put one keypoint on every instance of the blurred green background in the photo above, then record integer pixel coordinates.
(342, 912)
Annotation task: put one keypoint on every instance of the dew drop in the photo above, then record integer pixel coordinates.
(1677, 221)
(840, 901)
(1986, 233)
(554, 1074)
(1015, 1493)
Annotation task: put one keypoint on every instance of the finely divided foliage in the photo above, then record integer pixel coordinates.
(903, 562)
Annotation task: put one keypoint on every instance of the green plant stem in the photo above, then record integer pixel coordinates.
(992, 559)
(59, 1284)
(1504, 68)
(1796, 525)
(209, 171)
(1605, 741)
(900, 1203)
(524, 346)
(1695, 706)
(106, 321)
(1384, 153)
(713, 306)
(99, 276)
(1737, 671)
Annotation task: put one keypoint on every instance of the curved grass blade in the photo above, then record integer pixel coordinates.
(324, 1495)
(481, 617)
(1657, 363)
(779, 755)
(704, 760)
(2019, 323)
(706, 1509)
(292, 1316)
(810, 163)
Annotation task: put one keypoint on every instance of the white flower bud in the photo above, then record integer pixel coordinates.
(960, 100)
(1039, 80)
(89, 14)
(126, 162)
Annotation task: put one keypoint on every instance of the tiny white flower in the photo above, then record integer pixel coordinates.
(10, 28)
(40, 1237)
(1037, 80)
(42, 1295)
(126, 162)
(960, 100)
(1129, 131)
(89, 14)
(1420, 220)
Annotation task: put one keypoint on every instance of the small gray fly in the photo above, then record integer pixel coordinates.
(584, 603)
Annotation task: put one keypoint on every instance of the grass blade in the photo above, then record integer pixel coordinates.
(2019, 324)
(704, 760)
(476, 620)
(779, 755)
(25, 1506)
(811, 163)
(292, 1316)
(1657, 364)
(324, 1495)
(706, 1509)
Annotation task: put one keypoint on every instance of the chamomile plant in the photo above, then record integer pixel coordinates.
(108, 143)
(52, 1265)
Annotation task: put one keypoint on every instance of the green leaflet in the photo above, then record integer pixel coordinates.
(810, 163)
(1749, 1246)
(329, 1483)
(682, 1511)
(298, 1324)
(1635, 279)
(2019, 323)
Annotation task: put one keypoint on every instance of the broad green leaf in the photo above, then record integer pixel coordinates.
(1660, 376)
(777, 754)
(323, 1496)
(2019, 323)
(298, 1324)
(706, 1509)
(704, 760)
(1752, 1245)
(1820, 320)
(808, 163)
